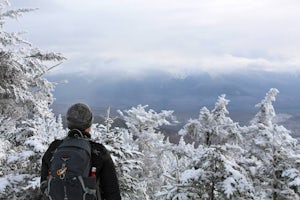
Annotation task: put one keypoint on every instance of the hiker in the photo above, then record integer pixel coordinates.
(79, 120)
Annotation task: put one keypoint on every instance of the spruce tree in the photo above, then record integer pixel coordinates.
(25, 97)
(213, 127)
(144, 125)
(271, 152)
(213, 170)
(180, 157)
(128, 160)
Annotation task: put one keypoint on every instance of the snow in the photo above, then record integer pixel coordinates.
(252, 171)
(229, 185)
(4, 144)
(193, 174)
(21, 156)
(226, 155)
(36, 144)
(295, 182)
(236, 180)
(3, 183)
(10, 180)
(34, 183)
(292, 174)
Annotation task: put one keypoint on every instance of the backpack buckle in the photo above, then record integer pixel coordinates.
(62, 172)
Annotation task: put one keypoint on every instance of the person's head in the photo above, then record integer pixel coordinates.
(79, 116)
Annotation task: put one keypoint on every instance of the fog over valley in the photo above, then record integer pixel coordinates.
(186, 96)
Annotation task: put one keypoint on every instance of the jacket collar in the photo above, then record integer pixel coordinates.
(79, 133)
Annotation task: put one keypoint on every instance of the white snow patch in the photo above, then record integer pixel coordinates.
(34, 183)
(190, 174)
(23, 156)
(36, 144)
(10, 180)
(229, 186)
(3, 184)
(4, 144)
(292, 174)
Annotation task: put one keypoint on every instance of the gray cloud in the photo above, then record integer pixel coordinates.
(133, 37)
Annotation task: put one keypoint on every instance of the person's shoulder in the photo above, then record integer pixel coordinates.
(55, 144)
(52, 147)
(57, 141)
(98, 148)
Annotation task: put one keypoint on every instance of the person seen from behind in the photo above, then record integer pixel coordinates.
(79, 120)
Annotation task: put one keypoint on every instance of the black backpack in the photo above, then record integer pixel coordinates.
(69, 177)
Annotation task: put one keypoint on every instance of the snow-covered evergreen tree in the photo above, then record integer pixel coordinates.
(211, 174)
(272, 160)
(212, 170)
(213, 127)
(23, 89)
(21, 168)
(25, 96)
(144, 125)
(178, 159)
(127, 158)
(215, 175)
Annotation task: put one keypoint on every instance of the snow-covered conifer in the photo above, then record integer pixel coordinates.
(25, 97)
(215, 171)
(178, 158)
(212, 174)
(217, 176)
(266, 110)
(144, 125)
(126, 157)
(24, 90)
(271, 157)
(21, 166)
(213, 127)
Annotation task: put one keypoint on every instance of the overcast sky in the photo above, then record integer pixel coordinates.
(181, 37)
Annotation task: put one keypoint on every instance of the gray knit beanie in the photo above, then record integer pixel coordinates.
(79, 116)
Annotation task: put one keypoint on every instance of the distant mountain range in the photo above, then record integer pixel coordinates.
(185, 96)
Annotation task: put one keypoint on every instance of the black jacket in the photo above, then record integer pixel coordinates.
(100, 159)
